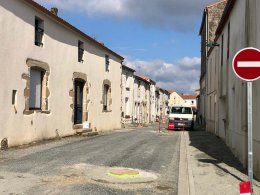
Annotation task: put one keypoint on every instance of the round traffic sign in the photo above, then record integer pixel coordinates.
(246, 64)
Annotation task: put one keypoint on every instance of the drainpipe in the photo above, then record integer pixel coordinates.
(247, 24)
(248, 34)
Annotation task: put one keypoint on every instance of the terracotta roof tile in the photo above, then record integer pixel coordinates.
(187, 97)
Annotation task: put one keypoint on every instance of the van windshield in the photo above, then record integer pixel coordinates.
(181, 110)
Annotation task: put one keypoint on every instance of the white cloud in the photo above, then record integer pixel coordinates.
(177, 14)
(189, 62)
(182, 76)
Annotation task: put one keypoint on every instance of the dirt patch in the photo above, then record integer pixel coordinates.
(65, 180)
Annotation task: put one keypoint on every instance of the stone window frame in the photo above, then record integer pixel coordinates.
(106, 82)
(45, 68)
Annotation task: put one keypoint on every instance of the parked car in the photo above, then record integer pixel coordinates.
(181, 117)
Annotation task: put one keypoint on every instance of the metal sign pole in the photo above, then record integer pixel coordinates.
(250, 134)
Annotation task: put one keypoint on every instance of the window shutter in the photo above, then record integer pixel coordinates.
(35, 89)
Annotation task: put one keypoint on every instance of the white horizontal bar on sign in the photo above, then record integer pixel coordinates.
(248, 64)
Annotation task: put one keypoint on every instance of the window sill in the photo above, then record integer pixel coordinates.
(29, 112)
(107, 111)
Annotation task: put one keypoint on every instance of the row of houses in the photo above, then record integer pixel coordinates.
(142, 101)
(57, 81)
(227, 27)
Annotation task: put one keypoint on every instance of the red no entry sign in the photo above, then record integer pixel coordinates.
(246, 64)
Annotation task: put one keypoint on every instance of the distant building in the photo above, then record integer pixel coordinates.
(175, 99)
(152, 99)
(162, 102)
(127, 95)
(190, 100)
(141, 100)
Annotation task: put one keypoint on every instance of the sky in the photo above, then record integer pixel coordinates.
(158, 38)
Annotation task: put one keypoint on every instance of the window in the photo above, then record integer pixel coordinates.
(39, 31)
(35, 99)
(105, 101)
(127, 106)
(181, 110)
(14, 94)
(107, 63)
(80, 51)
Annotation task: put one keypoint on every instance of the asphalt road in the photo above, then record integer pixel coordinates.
(80, 165)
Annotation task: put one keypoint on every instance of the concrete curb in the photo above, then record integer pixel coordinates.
(185, 180)
(190, 173)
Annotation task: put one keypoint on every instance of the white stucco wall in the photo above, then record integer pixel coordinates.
(176, 100)
(231, 91)
(60, 52)
(141, 98)
(152, 103)
(127, 92)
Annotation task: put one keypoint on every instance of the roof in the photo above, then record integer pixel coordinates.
(141, 78)
(128, 68)
(59, 20)
(214, 4)
(171, 91)
(147, 79)
(188, 97)
(164, 90)
(225, 17)
(205, 12)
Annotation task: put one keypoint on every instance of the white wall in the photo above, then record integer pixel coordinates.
(127, 92)
(231, 91)
(60, 52)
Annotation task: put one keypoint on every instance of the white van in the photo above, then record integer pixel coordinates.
(181, 117)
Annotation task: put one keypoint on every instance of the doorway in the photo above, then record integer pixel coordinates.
(78, 101)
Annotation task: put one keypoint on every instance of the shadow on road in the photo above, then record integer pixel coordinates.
(215, 151)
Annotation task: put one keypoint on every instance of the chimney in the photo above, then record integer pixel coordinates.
(54, 10)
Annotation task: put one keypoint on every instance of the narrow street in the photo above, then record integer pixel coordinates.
(80, 165)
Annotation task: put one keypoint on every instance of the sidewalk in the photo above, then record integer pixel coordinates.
(207, 166)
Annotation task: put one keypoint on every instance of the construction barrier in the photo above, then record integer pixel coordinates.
(163, 124)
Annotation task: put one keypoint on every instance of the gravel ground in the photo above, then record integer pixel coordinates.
(71, 165)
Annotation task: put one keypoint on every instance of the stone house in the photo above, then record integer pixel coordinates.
(127, 94)
(175, 99)
(55, 80)
(190, 100)
(152, 99)
(163, 97)
(227, 106)
(141, 100)
(211, 17)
